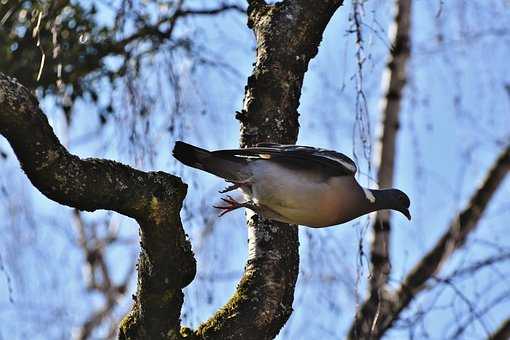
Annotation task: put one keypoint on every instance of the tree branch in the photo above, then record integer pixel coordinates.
(288, 35)
(476, 266)
(154, 199)
(99, 278)
(454, 238)
(211, 11)
(503, 331)
(74, 56)
(155, 32)
(393, 84)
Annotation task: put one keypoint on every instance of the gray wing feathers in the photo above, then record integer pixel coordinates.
(332, 162)
(234, 164)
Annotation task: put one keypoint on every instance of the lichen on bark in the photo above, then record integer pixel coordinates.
(287, 35)
(154, 199)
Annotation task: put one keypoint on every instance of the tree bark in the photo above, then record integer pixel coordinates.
(154, 199)
(288, 36)
(502, 333)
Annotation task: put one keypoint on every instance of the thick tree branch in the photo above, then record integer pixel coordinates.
(154, 199)
(503, 331)
(467, 220)
(288, 36)
(393, 84)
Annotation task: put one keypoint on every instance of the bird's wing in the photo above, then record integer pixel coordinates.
(331, 162)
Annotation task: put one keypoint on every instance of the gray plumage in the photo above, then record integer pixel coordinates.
(293, 184)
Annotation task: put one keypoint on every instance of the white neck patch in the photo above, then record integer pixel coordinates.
(369, 195)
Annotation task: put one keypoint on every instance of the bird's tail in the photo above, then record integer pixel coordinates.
(230, 168)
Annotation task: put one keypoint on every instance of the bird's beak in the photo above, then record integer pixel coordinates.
(406, 213)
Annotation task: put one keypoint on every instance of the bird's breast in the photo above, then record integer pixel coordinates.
(299, 196)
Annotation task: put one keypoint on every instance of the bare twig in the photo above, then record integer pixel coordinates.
(211, 11)
(99, 279)
(471, 269)
(362, 122)
(457, 233)
(473, 312)
(477, 313)
(392, 305)
(393, 85)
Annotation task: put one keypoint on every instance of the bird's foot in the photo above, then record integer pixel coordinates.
(232, 204)
(230, 188)
(235, 185)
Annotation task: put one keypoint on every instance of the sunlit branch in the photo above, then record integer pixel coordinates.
(288, 35)
(154, 199)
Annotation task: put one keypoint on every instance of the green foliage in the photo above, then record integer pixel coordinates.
(68, 36)
(65, 47)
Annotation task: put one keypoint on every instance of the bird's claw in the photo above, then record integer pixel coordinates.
(229, 188)
(232, 204)
(235, 185)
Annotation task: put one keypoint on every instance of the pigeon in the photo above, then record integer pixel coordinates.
(293, 184)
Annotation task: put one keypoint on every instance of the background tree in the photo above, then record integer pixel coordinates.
(102, 55)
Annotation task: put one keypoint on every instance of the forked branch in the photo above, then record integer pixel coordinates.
(154, 199)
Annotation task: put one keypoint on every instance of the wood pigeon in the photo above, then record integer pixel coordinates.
(293, 184)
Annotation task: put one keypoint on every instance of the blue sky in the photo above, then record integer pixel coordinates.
(455, 116)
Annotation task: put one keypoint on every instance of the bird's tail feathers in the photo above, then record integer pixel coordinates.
(190, 155)
(195, 157)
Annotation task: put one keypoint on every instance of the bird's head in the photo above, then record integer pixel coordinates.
(400, 201)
